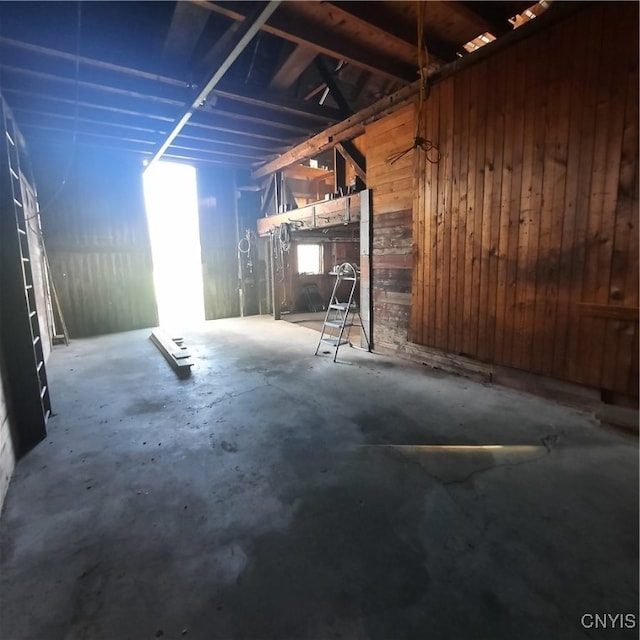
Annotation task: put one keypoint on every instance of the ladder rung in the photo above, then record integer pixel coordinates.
(18, 202)
(33, 313)
(341, 306)
(14, 174)
(26, 260)
(22, 231)
(338, 325)
(43, 391)
(40, 365)
(28, 286)
(10, 138)
(36, 340)
(334, 341)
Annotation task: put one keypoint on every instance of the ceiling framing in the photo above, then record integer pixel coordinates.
(123, 75)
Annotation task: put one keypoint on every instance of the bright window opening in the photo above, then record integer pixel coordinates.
(171, 198)
(310, 259)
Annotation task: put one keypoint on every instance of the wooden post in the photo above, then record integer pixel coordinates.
(339, 171)
(275, 300)
(366, 235)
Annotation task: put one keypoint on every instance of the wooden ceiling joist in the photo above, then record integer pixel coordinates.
(345, 130)
(187, 24)
(240, 41)
(334, 87)
(287, 25)
(218, 122)
(291, 69)
(403, 32)
(355, 125)
(274, 102)
(92, 62)
(257, 116)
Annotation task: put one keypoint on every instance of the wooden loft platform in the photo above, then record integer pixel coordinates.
(319, 215)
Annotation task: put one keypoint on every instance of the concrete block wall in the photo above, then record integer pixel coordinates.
(7, 457)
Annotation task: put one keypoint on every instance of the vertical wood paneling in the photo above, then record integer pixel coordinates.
(95, 233)
(218, 243)
(533, 207)
(393, 245)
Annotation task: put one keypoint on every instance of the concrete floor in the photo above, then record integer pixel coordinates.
(278, 495)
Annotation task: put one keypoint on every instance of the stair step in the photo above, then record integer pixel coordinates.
(337, 325)
(341, 306)
(334, 341)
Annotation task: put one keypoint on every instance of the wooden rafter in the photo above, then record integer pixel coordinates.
(232, 50)
(187, 24)
(291, 69)
(334, 87)
(403, 33)
(355, 125)
(287, 24)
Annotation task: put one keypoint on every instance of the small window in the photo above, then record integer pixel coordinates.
(310, 258)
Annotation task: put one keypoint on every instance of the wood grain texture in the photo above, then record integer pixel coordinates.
(530, 218)
(95, 232)
(392, 260)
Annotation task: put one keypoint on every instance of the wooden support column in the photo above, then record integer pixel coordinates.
(279, 192)
(366, 238)
(339, 171)
(275, 299)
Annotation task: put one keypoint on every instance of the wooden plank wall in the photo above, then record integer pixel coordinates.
(216, 195)
(392, 253)
(96, 236)
(526, 231)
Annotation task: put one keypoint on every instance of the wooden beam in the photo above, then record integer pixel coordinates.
(351, 153)
(92, 62)
(268, 197)
(276, 102)
(355, 125)
(291, 69)
(44, 77)
(262, 117)
(334, 87)
(321, 215)
(187, 24)
(286, 24)
(178, 357)
(82, 126)
(219, 122)
(399, 33)
(242, 39)
(339, 171)
(349, 128)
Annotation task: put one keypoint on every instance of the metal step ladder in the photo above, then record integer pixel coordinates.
(342, 314)
(31, 355)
